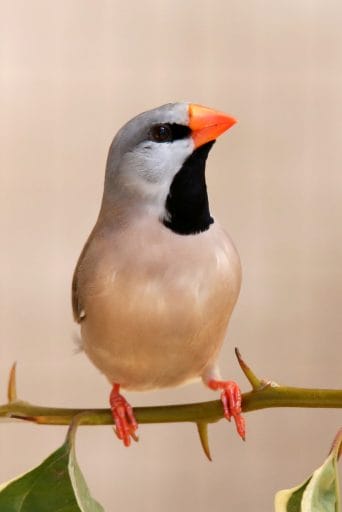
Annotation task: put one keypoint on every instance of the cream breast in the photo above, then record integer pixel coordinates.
(157, 304)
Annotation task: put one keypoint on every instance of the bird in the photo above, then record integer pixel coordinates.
(158, 278)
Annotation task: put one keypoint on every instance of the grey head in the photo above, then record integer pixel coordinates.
(146, 154)
(156, 165)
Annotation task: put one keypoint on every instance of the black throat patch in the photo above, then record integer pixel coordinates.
(187, 203)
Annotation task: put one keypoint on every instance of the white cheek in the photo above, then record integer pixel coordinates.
(160, 162)
(151, 167)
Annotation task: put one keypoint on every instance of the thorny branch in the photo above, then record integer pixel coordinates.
(264, 395)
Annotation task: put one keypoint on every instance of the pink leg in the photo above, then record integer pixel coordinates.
(231, 401)
(125, 422)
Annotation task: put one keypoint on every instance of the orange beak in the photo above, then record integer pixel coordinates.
(207, 124)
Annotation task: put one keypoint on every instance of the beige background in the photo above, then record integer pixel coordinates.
(72, 72)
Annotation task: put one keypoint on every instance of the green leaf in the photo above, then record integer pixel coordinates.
(320, 493)
(56, 485)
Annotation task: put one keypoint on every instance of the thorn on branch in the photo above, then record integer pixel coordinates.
(255, 382)
(202, 428)
(12, 384)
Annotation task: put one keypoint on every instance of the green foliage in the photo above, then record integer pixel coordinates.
(55, 485)
(320, 493)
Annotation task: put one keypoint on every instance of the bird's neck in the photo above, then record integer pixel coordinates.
(187, 205)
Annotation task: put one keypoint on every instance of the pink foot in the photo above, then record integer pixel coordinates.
(125, 422)
(231, 401)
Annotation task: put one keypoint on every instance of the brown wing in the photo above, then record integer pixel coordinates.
(76, 298)
(78, 279)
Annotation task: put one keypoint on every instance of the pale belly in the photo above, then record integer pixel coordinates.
(160, 322)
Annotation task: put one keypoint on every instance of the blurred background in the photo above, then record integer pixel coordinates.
(72, 72)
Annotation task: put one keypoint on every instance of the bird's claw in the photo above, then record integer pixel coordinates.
(231, 401)
(123, 416)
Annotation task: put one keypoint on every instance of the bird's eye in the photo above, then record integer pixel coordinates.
(161, 133)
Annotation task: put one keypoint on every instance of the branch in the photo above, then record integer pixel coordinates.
(264, 395)
(210, 412)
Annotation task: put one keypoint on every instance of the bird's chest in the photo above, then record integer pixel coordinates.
(160, 277)
(158, 300)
